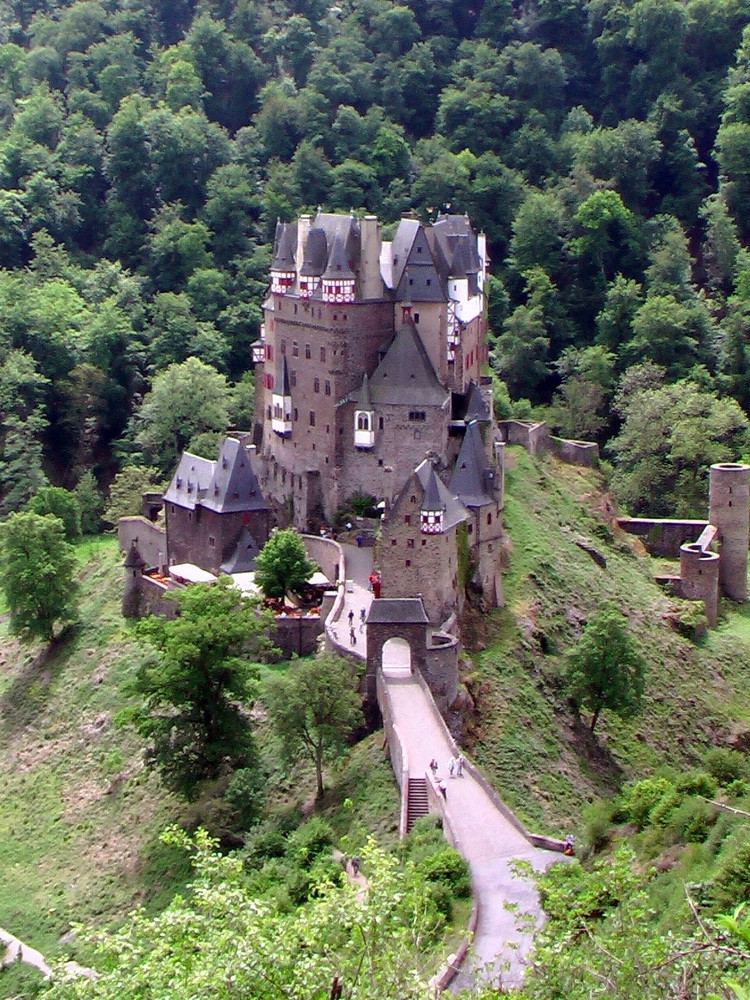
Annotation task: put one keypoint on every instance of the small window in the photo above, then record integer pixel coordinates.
(416, 317)
(322, 354)
(412, 498)
(328, 388)
(316, 385)
(292, 379)
(424, 541)
(470, 529)
(380, 423)
(489, 519)
(295, 309)
(429, 282)
(393, 541)
(308, 353)
(410, 543)
(296, 413)
(407, 563)
(268, 412)
(312, 418)
(295, 348)
(407, 518)
(380, 462)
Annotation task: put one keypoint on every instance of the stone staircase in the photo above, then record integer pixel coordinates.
(417, 804)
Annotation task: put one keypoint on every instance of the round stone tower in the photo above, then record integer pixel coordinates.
(729, 510)
(699, 578)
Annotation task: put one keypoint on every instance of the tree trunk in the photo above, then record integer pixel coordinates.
(319, 771)
(594, 718)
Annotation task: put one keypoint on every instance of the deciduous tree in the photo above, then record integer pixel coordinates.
(313, 708)
(195, 689)
(38, 574)
(282, 564)
(606, 669)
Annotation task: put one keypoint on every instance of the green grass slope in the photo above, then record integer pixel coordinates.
(79, 814)
(524, 732)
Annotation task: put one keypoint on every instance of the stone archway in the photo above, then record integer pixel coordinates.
(396, 658)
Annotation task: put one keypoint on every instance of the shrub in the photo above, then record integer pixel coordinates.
(731, 882)
(310, 840)
(643, 796)
(262, 846)
(691, 821)
(697, 782)
(246, 795)
(725, 765)
(597, 818)
(664, 807)
(443, 899)
(737, 789)
(448, 868)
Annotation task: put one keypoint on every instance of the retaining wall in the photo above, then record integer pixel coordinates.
(327, 554)
(574, 452)
(297, 635)
(663, 536)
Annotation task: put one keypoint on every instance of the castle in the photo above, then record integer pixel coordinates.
(369, 381)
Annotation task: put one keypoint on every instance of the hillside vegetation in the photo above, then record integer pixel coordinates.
(525, 733)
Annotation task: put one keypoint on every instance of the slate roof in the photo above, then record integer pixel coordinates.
(455, 243)
(397, 611)
(400, 248)
(284, 247)
(405, 375)
(242, 559)
(234, 486)
(436, 492)
(134, 559)
(362, 398)
(469, 480)
(476, 405)
(282, 386)
(190, 481)
(338, 260)
(332, 246)
(227, 485)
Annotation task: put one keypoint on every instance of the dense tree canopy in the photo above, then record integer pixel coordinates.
(147, 151)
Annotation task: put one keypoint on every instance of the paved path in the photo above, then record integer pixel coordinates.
(358, 568)
(486, 839)
(16, 949)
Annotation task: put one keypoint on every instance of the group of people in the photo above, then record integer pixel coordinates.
(352, 631)
(455, 770)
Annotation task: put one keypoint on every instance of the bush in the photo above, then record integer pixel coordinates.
(597, 819)
(731, 882)
(725, 765)
(448, 868)
(691, 821)
(443, 899)
(737, 789)
(664, 807)
(697, 782)
(262, 846)
(310, 840)
(246, 795)
(643, 796)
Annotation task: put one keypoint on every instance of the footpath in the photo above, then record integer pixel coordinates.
(486, 838)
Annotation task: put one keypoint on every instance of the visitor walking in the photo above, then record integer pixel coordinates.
(362, 616)
(460, 761)
(451, 766)
(352, 636)
(443, 789)
(350, 616)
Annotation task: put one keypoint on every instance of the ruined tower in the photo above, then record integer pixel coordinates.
(729, 509)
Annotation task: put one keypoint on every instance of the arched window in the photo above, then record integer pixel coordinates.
(363, 421)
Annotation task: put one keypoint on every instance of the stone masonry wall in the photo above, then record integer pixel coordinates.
(150, 539)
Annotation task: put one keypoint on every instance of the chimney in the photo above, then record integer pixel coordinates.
(371, 284)
(303, 228)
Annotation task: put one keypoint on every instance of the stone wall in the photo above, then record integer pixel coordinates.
(327, 554)
(574, 452)
(662, 537)
(207, 538)
(699, 578)
(297, 635)
(150, 539)
(530, 434)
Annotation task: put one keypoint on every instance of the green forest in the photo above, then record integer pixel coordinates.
(147, 150)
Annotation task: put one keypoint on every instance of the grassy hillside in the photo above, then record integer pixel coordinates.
(80, 816)
(524, 732)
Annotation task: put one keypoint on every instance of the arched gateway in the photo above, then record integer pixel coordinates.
(396, 638)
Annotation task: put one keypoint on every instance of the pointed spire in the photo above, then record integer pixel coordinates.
(363, 399)
(432, 501)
